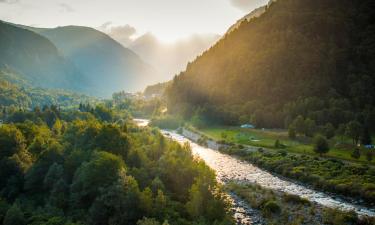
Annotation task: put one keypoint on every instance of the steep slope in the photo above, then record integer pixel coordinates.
(17, 92)
(253, 14)
(314, 58)
(109, 65)
(37, 59)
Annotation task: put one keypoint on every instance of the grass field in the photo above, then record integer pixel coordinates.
(340, 149)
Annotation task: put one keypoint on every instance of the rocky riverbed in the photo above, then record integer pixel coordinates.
(229, 168)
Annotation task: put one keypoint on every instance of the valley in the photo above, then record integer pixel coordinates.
(229, 169)
(192, 113)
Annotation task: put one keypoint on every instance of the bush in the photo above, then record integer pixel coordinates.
(14, 216)
(321, 145)
(356, 154)
(271, 207)
(369, 156)
(283, 153)
(296, 199)
(292, 132)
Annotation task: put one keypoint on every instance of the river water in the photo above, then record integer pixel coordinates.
(229, 168)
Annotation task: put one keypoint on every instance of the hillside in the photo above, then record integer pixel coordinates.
(254, 14)
(18, 93)
(314, 59)
(102, 60)
(37, 59)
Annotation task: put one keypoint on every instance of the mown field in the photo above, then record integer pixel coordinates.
(340, 148)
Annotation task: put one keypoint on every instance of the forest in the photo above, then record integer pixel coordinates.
(300, 58)
(93, 165)
(16, 92)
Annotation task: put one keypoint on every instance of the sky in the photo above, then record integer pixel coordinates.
(168, 20)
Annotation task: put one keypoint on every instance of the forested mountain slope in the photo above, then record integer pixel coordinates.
(102, 60)
(300, 57)
(37, 59)
(17, 93)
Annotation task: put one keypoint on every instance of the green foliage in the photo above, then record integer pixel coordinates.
(102, 170)
(11, 141)
(292, 132)
(256, 71)
(112, 139)
(83, 170)
(277, 143)
(14, 216)
(369, 156)
(147, 221)
(353, 130)
(353, 180)
(271, 207)
(366, 137)
(329, 131)
(3, 209)
(356, 153)
(282, 208)
(17, 92)
(320, 145)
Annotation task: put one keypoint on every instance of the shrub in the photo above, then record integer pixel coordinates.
(356, 154)
(271, 207)
(283, 153)
(292, 132)
(369, 156)
(296, 199)
(320, 145)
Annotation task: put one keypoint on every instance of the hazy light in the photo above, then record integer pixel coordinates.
(167, 19)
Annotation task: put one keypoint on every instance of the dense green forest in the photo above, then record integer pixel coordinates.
(18, 93)
(300, 58)
(94, 166)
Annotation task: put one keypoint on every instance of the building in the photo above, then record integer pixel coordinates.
(249, 126)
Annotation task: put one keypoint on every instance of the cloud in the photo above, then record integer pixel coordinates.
(248, 5)
(122, 34)
(9, 1)
(65, 8)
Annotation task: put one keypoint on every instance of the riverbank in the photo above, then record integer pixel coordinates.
(242, 213)
(288, 209)
(229, 168)
(356, 181)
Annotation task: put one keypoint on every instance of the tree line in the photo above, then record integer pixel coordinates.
(87, 167)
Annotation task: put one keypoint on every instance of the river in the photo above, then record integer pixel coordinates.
(229, 168)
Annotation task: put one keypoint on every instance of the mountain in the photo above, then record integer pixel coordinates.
(106, 63)
(172, 56)
(156, 90)
(253, 14)
(309, 58)
(37, 59)
(19, 93)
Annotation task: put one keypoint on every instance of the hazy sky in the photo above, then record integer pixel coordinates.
(167, 19)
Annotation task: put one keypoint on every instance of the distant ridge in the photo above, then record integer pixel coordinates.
(37, 59)
(98, 65)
